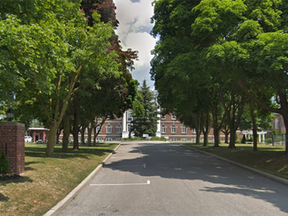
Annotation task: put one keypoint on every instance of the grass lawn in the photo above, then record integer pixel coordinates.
(270, 159)
(46, 181)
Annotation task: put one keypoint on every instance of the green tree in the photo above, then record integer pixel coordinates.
(48, 55)
(112, 95)
(145, 122)
(245, 54)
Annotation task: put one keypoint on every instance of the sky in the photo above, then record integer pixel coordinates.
(134, 29)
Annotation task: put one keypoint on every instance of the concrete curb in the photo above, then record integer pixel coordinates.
(267, 175)
(64, 202)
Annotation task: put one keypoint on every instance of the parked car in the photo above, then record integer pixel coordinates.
(28, 139)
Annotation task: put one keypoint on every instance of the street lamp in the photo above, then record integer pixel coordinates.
(10, 114)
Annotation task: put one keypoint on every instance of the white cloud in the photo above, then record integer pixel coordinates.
(134, 32)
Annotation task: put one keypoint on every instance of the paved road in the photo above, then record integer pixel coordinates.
(147, 179)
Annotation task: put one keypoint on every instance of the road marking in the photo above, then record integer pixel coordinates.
(144, 165)
(127, 184)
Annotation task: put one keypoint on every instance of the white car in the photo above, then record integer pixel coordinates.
(28, 139)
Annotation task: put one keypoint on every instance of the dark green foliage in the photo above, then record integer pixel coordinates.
(4, 167)
(230, 62)
(146, 123)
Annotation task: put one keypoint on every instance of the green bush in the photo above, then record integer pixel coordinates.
(4, 167)
(268, 140)
(159, 139)
(237, 141)
(140, 139)
(133, 139)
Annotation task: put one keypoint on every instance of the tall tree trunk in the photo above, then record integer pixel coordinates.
(284, 113)
(51, 138)
(205, 134)
(76, 126)
(216, 134)
(198, 134)
(237, 106)
(58, 136)
(215, 125)
(232, 139)
(82, 131)
(66, 133)
(206, 128)
(94, 133)
(227, 137)
(231, 120)
(90, 127)
(255, 135)
(75, 139)
(285, 117)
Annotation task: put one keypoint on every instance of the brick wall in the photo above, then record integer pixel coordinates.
(12, 140)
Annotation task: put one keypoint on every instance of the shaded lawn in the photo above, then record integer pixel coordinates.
(270, 159)
(48, 180)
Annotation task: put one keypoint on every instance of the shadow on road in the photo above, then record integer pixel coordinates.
(169, 160)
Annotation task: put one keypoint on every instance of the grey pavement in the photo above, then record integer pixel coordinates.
(146, 179)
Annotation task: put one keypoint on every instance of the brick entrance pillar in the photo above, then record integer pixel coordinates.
(12, 141)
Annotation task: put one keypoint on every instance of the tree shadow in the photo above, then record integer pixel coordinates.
(3, 198)
(174, 162)
(15, 180)
(59, 154)
(28, 167)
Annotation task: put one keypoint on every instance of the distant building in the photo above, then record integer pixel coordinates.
(38, 133)
(278, 123)
(167, 126)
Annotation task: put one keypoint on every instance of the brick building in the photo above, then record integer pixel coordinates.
(167, 126)
(38, 133)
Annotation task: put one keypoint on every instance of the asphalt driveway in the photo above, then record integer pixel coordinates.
(165, 179)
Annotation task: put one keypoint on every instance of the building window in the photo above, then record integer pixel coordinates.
(108, 139)
(173, 117)
(129, 116)
(173, 129)
(163, 129)
(184, 129)
(109, 129)
(119, 129)
(163, 116)
(194, 130)
(99, 129)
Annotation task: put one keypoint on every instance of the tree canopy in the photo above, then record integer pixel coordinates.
(227, 53)
(49, 52)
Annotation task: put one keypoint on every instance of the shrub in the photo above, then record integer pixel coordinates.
(4, 167)
(237, 141)
(268, 140)
(159, 139)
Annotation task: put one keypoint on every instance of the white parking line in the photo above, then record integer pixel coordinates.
(128, 184)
